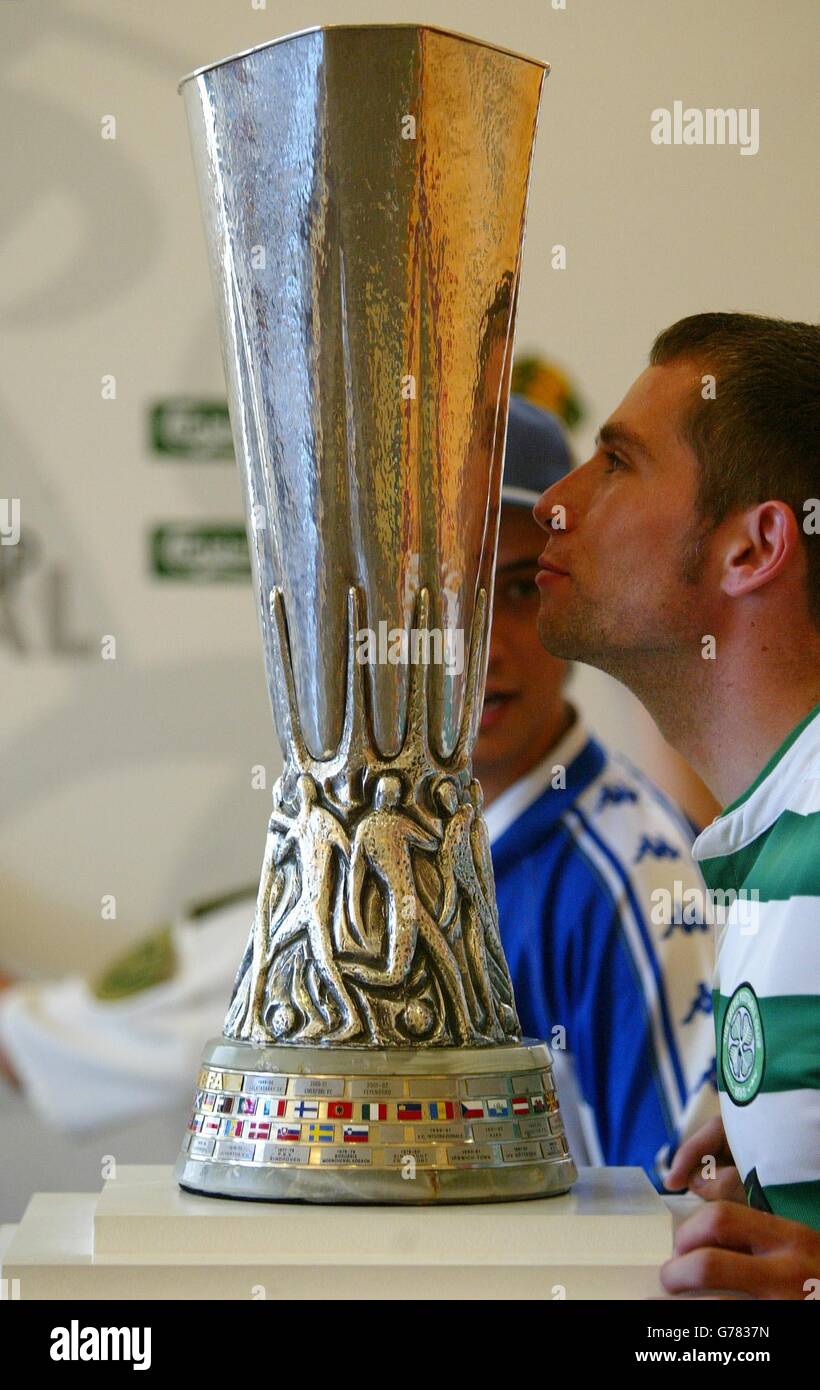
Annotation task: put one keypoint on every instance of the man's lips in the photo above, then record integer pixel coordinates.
(495, 704)
(548, 572)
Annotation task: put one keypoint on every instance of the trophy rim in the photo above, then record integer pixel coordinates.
(325, 28)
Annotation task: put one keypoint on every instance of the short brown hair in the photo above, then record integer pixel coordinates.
(759, 439)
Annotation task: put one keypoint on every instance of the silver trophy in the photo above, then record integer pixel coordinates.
(364, 191)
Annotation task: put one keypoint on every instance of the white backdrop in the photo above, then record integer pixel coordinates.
(132, 777)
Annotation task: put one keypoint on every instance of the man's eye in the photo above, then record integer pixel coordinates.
(613, 462)
(520, 589)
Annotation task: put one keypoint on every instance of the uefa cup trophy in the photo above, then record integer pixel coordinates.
(364, 192)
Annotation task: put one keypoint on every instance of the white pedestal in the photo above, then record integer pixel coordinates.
(142, 1237)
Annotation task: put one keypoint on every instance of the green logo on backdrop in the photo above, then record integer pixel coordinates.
(149, 963)
(743, 1052)
(186, 427)
(199, 552)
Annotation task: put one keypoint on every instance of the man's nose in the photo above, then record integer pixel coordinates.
(498, 648)
(553, 510)
(562, 505)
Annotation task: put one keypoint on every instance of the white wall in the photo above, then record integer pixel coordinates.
(132, 777)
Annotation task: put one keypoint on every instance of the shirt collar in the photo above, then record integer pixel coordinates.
(769, 795)
(516, 799)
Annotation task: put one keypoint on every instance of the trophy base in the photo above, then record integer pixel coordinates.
(391, 1126)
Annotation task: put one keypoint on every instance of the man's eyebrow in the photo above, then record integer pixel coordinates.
(615, 434)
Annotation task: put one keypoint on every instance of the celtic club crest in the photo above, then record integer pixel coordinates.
(743, 1053)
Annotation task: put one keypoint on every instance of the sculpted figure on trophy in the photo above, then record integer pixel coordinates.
(375, 919)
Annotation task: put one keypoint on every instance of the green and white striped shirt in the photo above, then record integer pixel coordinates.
(765, 848)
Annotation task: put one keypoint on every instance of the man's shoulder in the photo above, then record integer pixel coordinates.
(617, 829)
(639, 843)
(783, 804)
(623, 810)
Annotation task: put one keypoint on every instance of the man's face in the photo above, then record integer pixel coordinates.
(620, 586)
(523, 680)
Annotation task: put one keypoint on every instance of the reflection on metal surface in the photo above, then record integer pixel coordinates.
(366, 284)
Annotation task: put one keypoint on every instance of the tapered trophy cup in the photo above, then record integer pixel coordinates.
(364, 192)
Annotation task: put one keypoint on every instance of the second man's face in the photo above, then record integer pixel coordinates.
(523, 680)
(613, 587)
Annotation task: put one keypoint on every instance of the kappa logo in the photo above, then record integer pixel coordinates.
(701, 1004)
(657, 847)
(615, 795)
(743, 1052)
(75, 1343)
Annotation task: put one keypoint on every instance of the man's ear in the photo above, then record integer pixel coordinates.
(761, 544)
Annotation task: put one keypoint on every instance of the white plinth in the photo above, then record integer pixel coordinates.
(142, 1237)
